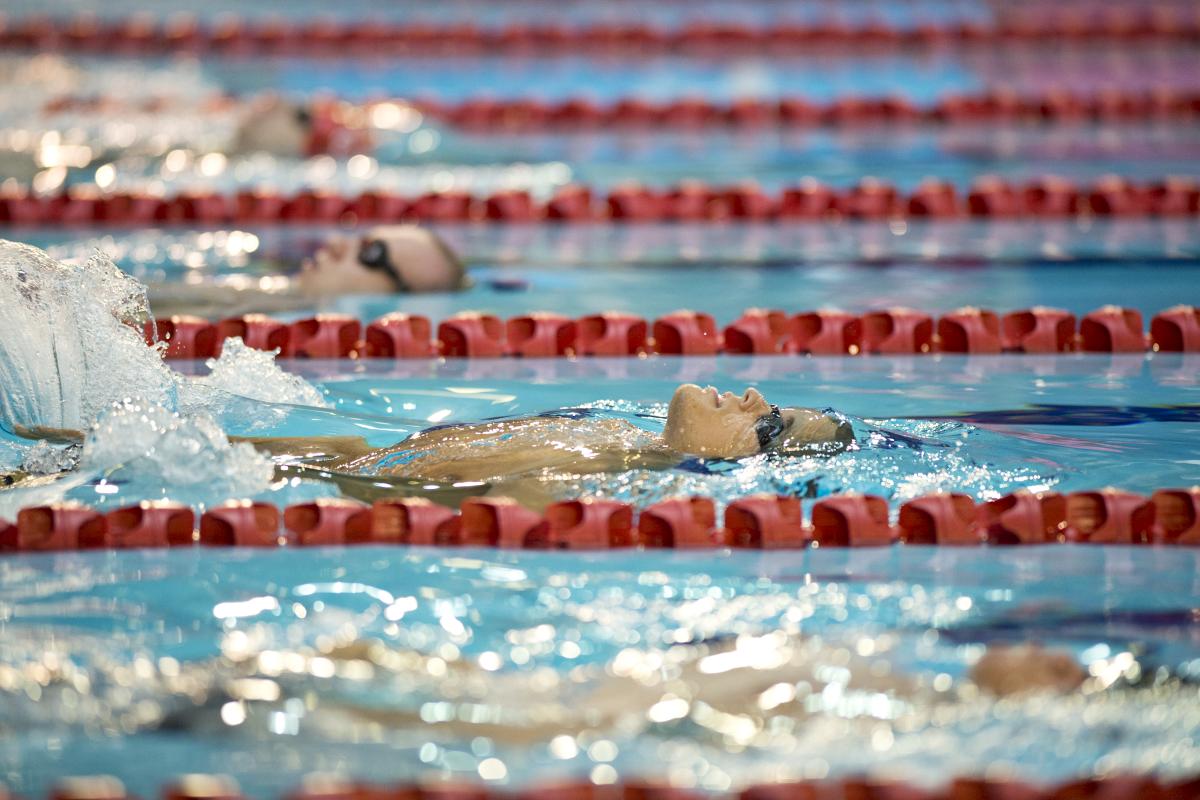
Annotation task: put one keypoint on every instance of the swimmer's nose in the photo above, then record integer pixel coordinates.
(337, 247)
(751, 398)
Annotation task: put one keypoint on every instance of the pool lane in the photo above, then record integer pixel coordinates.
(922, 610)
(671, 14)
(438, 158)
(718, 269)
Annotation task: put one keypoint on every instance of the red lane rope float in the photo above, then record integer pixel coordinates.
(993, 108)
(486, 114)
(895, 331)
(758, 522)
(326, 787)
(693, 202)
(234, 35)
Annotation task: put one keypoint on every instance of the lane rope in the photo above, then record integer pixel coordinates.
(826, 332)
(999, 106)
(989, 197)
(1104, 516)
(1044, 25)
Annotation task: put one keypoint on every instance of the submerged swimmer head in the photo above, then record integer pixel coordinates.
(389, 259)
(705, 422)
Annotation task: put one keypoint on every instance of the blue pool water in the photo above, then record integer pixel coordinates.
(928, 610)
(149, 664)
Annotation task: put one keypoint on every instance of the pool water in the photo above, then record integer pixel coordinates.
(929, 610)
(149, 664)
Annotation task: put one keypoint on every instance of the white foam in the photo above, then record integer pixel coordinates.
(47, 459)
(251, 373)
(188, 454)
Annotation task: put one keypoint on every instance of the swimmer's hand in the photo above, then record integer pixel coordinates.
(1026, 668)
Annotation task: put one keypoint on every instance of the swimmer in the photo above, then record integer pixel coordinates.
(388, 259)
(367, 687)
(526, 457)
(534, 459)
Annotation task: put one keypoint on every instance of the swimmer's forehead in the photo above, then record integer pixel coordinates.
(398, 232)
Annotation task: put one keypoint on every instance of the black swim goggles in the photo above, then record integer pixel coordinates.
(769, 427)
(373, 254)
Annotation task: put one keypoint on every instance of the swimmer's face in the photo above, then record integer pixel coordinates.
(705, 422)
(414, 256)
(274, 126)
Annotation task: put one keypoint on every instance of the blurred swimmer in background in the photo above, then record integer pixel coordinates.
(389, 259)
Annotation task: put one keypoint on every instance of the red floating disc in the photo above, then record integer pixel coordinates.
(686, 522)
(326, 336)
(897, 330)
(765, 522)
(1023, 518)
(589, 524)
(1112, 329)
(1039, 330)
(258, 331)
(944, 519)
(1176, 330)
(472, 335)
(157, 524)
(186, 337)
(414, 521)
(851, 520)
(1109, 517)
(400, 335)
(1177, 516)
(831, 333)
(969, 330)
(757, 331)
(57, 527)
(328, 521)
(612, 333)
(686, 333)
(500, 522)
(240, 523)
(541, 334)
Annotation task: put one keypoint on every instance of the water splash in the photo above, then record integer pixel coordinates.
(142, 451)
(67, 346)
(187, 455)
(246, 372)
(72, 358)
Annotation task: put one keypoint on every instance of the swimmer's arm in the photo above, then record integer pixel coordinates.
(331, 449)
(1005, 670)
(369, 488)
(218, 301)
(51, 435)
